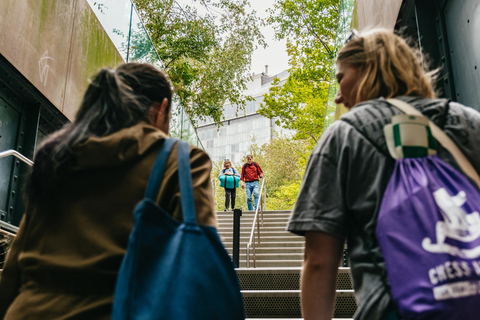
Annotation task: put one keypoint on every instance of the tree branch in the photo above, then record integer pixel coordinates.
(312, 30)
(312, 136)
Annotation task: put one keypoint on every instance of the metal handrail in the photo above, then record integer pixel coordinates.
(7, 227)
(251, 243)
(16, 154)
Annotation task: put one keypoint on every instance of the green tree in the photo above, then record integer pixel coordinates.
(310, 28)
(283, 161)
(206, 49)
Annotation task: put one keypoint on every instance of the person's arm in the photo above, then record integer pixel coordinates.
(319, 276)
(235, 172)
(260, 171)
(221, 174)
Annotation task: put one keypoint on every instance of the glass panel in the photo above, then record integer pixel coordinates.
(343, 31)
(122, 23)
(114, 16)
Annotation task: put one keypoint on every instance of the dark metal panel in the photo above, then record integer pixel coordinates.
(21, 107)
(462, 24)
(19, 169)
(9, 122)
(434, 43)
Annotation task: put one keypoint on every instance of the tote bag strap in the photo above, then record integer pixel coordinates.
(443, 139)
(185, 181)
(156, 176)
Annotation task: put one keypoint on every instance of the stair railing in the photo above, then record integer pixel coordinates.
(17, 155)
(4, 226)
(256, 220)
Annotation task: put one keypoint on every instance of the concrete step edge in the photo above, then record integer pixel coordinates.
(288, 293)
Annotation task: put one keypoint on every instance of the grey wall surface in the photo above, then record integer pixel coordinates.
(57, 45)
(376, 14)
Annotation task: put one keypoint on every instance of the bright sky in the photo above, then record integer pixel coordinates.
(275, 55)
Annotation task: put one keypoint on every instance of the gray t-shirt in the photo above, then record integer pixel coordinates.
(346, 177)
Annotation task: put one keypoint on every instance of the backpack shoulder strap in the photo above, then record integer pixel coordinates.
(185, 182)
(443, 139)
(258, 171)
(156, 176)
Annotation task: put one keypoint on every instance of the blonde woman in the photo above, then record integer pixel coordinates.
(350, 167)
(230, 193)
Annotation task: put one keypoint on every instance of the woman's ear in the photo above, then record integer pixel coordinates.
(160, 115)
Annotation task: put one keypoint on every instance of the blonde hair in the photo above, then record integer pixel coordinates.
(224, 162)
(390, 67)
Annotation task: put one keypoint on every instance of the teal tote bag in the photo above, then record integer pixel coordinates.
(175, 269)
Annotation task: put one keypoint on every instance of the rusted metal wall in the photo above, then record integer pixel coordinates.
(57, 45)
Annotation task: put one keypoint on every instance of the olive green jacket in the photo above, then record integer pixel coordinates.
(64, 261)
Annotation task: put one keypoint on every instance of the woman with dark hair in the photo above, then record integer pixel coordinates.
(84, 185)
(350, 167)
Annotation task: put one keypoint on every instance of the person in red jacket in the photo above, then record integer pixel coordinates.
(251, 172)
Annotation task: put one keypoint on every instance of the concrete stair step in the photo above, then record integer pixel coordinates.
(244, 215)
(273, 256)
(265, 228)
(288, 293)
(279, 226)
(267, 234)
(283, 278)
(271, 290)
(271, 263)
(286, 304)
(249, 222)
(246, 212)
(266, 244)
(272, 250)
(266, 239)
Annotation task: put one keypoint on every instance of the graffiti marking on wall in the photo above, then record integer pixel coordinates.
(43, 67)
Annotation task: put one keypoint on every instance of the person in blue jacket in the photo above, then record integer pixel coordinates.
(229, 193)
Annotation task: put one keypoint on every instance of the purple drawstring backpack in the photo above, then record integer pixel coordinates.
(428, 227)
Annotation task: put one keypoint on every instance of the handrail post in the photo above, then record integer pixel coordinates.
(236, 237)
(261, 213)
(265, 195)
(256, 221)
(258, 231)
(254, 256)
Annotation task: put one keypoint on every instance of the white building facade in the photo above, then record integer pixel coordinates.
(233, 139)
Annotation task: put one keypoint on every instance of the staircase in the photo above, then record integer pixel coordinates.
(271, 289)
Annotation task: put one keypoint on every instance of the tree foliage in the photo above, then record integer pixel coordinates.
(283, 161)
(310, 28)
(206, 48)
